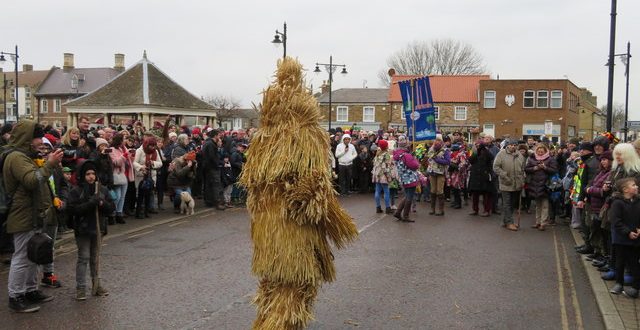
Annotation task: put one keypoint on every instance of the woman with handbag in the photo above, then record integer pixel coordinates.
(119, 160)
(146, 163)
(407, 167)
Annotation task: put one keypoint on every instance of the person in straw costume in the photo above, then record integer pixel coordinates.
(293, 205)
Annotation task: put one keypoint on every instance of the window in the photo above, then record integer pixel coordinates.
(13, 94)
(556, 99)
(44, 106)
(27, 110)
(543, 99)
(368, 114)
(27, 92)
(436, 112)
(57, 123)
(57, 106)
(460, 113)
(342, 114)
(528, 97)
(490, 99)
(402, 114)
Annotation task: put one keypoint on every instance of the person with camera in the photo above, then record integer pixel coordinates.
(102, 158)
(146, 163)
(31, 204)
(86, 201)
(345, 154)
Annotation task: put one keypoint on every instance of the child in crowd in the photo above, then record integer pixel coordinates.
(625, 223)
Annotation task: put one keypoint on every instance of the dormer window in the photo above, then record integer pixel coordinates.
(74, 82)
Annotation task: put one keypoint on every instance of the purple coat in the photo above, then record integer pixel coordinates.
(596, 195)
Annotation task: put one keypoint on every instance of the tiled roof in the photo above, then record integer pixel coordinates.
(455, 89)
(134, 87)
(356, 95)
(59, 81)
(27, 78)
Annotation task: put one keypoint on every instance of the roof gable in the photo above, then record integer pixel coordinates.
(454, 89)
(59, 80)
(141, 85)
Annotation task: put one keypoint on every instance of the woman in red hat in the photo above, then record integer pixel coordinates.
(383, 173)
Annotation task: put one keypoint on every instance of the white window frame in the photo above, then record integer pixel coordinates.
(57, 106)
(558, 97)
(27, 92)
(346, 109)
(540, 98)
(44, 106)
(455, 112)
(436, 112)
(402, 115)
(532, 98)
(486, 97)
(372, 117)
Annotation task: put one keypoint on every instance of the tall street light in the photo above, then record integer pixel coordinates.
(612, 45)
(330, 68)
(277, 41)
(626, 60)
(14, 58)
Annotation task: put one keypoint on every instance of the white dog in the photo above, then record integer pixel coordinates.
(188, 204)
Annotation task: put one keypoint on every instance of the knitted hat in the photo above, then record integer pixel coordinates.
(586, 145)
(195, 131)
(601, 141)
(383, 144)
(607, 154)
(402, 141)
(173, 135)
(101, 141)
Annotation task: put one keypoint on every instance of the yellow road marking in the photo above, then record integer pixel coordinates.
(563, 307)
(574, 295)
(141, 234)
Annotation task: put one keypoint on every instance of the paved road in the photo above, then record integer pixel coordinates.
(453, 272)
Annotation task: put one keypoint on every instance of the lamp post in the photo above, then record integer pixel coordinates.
(330, 68)
(277, 41)
(612, 45)
(14, 57)
(626, 59)
(4, 99)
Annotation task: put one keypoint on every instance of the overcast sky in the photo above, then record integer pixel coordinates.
(224, 47)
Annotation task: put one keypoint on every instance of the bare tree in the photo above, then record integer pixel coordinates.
(617, 118)
(441, 57)
(226, 106)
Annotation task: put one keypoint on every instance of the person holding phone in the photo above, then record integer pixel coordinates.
(540, 167)
(345, 154)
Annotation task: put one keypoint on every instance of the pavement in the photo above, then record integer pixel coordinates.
(452, 272)
(618, 311)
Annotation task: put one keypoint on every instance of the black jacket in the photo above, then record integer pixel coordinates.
(480, 175)
(623, 215)
(211, 155)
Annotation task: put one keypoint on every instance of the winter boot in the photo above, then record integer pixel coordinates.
(440, 205)
(139, 214)
(433, 201)
(111, 220)
(120, 220)
(20, 305)
(378, 209)
(398, 212)
(457, 200)
(388, 210)
(97, 289)
(405, 210)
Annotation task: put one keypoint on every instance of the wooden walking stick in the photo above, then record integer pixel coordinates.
(519, 207)
(96, 279)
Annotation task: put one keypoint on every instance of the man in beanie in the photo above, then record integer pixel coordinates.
(27, 183)
(509, 167)
(588, 167)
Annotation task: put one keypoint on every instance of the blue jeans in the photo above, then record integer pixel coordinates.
(121, 192)
(387, 198)
(176, 198)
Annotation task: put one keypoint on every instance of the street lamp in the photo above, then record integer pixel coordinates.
(277, 41)
(14, 58)
(626, 60)
(330, 68)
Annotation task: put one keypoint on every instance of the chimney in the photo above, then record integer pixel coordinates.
(68, 61)
(27, 67)
(119, 62)
(325, 87)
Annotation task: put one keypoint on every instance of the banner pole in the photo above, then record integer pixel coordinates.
(413, 109)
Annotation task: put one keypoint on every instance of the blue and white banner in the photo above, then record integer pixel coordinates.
(417, 104)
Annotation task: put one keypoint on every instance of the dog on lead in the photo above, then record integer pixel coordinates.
(188, 204)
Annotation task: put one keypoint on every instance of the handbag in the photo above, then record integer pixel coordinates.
(40, 249)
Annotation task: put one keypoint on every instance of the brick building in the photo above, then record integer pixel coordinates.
(456, 101)
(366, 108)
(67, 83)
(520, 108)
(29, 81)
(592, 120)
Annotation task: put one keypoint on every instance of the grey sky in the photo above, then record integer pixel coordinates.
(223, 47)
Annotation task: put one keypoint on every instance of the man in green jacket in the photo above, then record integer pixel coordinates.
(24, 179)
(509, 167)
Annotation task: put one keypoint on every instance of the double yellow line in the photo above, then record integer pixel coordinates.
(565, 276)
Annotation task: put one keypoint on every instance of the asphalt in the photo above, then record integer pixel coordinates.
(452, 272)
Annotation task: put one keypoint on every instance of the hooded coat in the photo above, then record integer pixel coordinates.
(345, 156)
(509, 167)
(83, 201)
(23, 179)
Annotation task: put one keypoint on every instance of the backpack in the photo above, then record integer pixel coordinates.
(6, 199)
(555, 187)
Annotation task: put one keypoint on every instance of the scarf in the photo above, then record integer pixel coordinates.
(543, 157)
